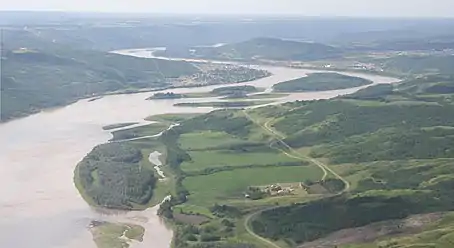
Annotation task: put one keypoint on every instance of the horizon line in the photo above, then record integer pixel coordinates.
(226, 14)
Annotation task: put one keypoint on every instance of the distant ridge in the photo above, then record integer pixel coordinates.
(264, 48)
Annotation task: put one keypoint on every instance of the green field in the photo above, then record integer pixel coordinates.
(221, 158)
(215, 157)
(390, 147)
(222, 186)
(206, 139)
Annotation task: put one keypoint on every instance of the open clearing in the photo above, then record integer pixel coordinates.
(206, 190)
(220, 158)
(206, 139)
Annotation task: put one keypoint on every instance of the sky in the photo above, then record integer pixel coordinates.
(363, 8)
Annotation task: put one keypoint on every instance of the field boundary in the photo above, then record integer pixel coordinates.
(321, 165)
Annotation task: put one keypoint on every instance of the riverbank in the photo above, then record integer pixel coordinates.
(71, 133)
(320, 66)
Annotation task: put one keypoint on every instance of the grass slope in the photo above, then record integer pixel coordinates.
(222, 186)
(220, 158)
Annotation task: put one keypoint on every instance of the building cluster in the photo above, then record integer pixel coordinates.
(274, 190)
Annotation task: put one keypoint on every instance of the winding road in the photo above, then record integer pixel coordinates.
(279, 137)
(32, 199)
(252, 233)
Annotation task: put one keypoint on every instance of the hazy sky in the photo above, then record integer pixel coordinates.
(414, 8)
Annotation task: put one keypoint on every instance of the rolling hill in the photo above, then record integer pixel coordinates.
(392, 143)
(263, 49)
(48, 76)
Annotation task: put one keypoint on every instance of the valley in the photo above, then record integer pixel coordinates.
(306, 140)
(252, 177)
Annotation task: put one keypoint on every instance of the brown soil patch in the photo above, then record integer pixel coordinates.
(372, 232)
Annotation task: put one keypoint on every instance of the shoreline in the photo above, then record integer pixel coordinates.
(273, 63)
(127, 52)
(157, 166)
(99, 96)
(79, 126)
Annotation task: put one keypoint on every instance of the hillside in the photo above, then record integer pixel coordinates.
(419, 64)
(262, 49)
(39, 74)
(34, 79)
(376, 161)
(393, 143)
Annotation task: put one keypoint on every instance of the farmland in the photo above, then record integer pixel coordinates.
(226, 185)
(298, 173)
(218, 165)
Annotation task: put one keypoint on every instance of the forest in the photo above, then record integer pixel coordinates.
(111, 177)
(354, 132)
(274, 176)
(398, 141)
(307, 222)
(321, 82)
(167, 95)
(43, 77)
(235, 91)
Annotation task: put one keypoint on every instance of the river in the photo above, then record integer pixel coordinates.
(41, 208)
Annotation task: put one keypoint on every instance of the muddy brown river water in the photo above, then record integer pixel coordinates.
(39, 204)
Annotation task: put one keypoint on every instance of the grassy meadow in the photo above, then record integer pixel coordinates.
(220, 187)
(220, 158)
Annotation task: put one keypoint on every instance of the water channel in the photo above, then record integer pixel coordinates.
(41, 208)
